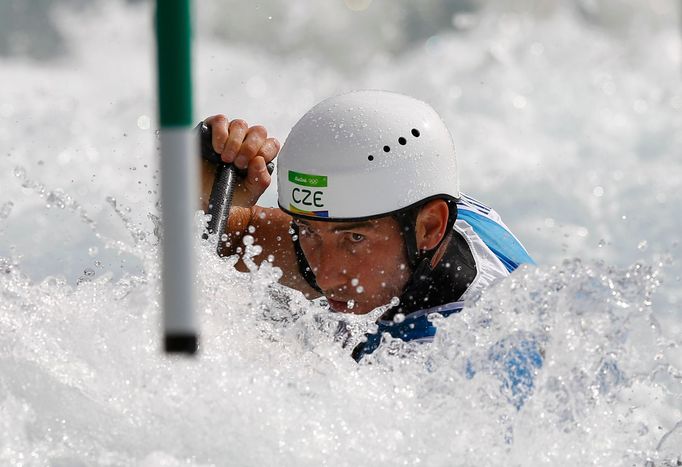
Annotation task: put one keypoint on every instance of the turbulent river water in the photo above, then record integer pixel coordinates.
(567, 118)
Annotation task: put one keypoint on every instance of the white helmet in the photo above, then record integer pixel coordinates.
(363, 155)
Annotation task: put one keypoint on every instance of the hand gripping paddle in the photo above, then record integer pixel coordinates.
(226, 177)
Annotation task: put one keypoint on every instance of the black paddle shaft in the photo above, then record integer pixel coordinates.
(222, 191)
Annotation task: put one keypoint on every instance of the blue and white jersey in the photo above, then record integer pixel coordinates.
(496, 250)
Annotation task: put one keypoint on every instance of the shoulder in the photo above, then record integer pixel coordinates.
(483, 224)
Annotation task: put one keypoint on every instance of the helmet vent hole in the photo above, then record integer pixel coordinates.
(415, 133)
(402, 141)
(387, 148)
(370, 157)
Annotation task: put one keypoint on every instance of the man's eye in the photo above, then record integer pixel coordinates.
(356, 237)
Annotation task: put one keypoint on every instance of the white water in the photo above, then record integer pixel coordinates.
(567, 121)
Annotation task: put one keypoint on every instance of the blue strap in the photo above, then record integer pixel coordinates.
(415, 326)
(500, 241)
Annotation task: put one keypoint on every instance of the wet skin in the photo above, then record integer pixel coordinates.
(358, 265)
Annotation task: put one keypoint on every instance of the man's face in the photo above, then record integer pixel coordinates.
(358, 265)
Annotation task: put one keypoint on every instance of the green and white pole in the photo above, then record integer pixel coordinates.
(179, 172)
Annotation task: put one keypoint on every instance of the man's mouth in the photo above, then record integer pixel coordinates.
(341, 306)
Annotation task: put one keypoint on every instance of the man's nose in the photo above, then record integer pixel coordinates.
(329, 270)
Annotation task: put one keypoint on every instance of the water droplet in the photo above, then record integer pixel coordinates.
(55, 198)
(20, 172)
(350, 304)
(354, 281)
(359, 289)
(642, 245)
(251, 229)
(143, 122)
(399, 318)
(93, 250)
(6, 209)
(248, 240)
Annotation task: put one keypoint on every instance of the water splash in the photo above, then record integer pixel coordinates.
(274, 365)
(82, 381)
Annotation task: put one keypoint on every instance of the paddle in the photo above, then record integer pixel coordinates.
(222, 191)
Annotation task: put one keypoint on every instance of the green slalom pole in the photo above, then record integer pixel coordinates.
(179, 172)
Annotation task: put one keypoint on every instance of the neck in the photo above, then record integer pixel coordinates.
(442, 276)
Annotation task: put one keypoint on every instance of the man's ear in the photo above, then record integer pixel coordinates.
(431, 223)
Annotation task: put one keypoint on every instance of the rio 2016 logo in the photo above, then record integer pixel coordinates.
(312, 194)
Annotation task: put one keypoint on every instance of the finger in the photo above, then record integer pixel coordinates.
(257, 178)
(218, 124)
(268, 151)
(255, 137)
(236, 133)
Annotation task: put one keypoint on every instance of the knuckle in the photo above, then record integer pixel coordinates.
(219, 118)
(249, 148)
(269, 149)
(238, 124)
(232, 145)
(258, 130)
